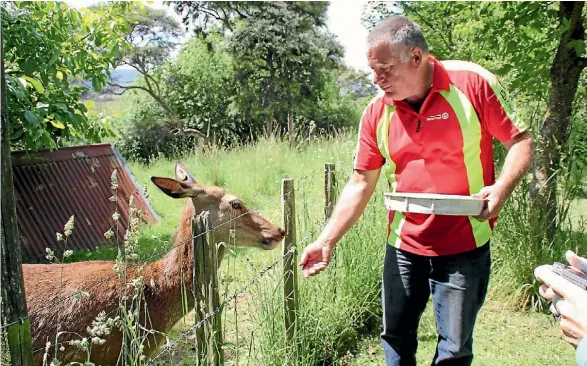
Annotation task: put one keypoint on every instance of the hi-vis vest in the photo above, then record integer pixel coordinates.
(445, 148)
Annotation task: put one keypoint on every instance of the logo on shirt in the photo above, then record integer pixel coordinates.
(437, 117)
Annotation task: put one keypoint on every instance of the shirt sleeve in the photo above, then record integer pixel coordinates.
(498, 114)
(581, 353)
(367, 154)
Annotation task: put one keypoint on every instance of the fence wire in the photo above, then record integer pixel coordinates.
(170, 346)
(135, 265)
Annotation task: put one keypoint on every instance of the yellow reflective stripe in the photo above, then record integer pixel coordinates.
(494, 83)
(471, 131)
(395, 229)
(383, 143)
(356, 153)
(396, 225)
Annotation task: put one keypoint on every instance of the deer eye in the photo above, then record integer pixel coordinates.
(236, 204)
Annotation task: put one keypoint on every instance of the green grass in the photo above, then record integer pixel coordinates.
(339, 310)
(108, 105)
(502, 337)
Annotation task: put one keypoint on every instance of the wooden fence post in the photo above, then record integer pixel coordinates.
(330, 194)
(208, 337)
(290, 285)
(13, 301)
(329, 189)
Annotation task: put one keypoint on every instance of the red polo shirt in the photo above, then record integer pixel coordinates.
(445, 148)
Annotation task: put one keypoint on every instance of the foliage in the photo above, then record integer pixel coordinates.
(48, 48)
(219, 92)
(144, 132)
(200, 82)
(491, 34)
(196, 87)
(209, 16)
(153, 37)
(282, 57)
(342, 302)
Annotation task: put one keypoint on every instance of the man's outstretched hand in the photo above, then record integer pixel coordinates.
(315, 258)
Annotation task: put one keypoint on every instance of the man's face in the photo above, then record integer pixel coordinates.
(399, 80)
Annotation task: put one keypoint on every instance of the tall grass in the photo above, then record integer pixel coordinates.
(520, 242)
(336, 306)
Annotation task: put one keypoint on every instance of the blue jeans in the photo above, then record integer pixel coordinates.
(458, 284)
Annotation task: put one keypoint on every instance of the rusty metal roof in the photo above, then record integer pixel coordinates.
(50, 187)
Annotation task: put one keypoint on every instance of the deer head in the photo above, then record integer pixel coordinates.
(251, 229)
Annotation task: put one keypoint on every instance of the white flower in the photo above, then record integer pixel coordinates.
(108, 234)
(69, 225)
(59, 237)
(114, 180)
(115, 216)
(67, 253)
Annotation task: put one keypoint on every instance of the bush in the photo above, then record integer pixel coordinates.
(145, 134)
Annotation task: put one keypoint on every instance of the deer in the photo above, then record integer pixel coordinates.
(162, 278)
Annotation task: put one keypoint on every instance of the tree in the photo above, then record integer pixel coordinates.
(566, 68)
(197, 86)
(12, 301)
(281, 58)
(281, 52)
(208, 16)
(355, 84)
(152, 38)
(48, 45)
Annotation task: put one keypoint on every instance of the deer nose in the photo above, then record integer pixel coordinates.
(281, 232)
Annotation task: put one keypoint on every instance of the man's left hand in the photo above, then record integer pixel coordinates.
(495, 197)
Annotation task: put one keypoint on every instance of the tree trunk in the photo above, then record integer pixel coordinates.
(13, 300)
(269, 126)
(564, 76)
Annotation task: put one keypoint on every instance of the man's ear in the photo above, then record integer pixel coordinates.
(177, 189)
(183, 174)
(417, 55)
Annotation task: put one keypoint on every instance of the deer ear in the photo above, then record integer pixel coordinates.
(177, 189)
(183, 174)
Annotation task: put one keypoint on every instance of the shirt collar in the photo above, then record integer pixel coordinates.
(440, 81)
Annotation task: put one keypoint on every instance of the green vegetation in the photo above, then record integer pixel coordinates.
(502, 337)
(262, 88)
(340, 308)
(49, 48)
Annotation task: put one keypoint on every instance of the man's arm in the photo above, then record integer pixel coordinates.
(516, 165)
(350, 207)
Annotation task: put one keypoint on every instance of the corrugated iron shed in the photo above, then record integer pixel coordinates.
(50, 187)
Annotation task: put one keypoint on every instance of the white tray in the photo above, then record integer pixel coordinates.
(438, 204)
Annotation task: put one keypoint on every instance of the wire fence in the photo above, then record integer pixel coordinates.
(170, 346)
(131, 266)
(184, 334)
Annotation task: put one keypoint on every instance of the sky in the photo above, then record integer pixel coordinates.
(344, 20)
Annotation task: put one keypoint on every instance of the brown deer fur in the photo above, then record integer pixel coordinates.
(46, 283)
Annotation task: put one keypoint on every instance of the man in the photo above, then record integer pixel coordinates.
(572, 303)
(434, 126)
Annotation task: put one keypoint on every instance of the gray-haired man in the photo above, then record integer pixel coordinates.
(434, 126)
